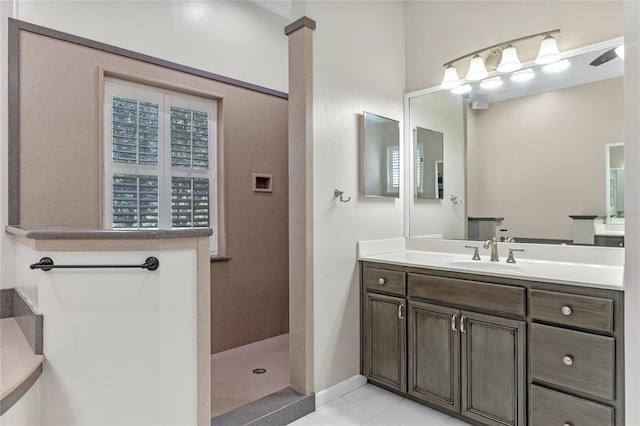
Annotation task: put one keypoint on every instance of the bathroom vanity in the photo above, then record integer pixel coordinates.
(538, 342)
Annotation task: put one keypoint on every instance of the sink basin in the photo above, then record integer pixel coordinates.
(480, 265)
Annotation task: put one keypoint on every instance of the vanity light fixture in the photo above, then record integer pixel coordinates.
(491, 83)
(460, 90)
(451, 79)
(509, 61)
(477, 70)
(556, 66)
(523, 75)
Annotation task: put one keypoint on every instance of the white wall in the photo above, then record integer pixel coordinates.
(25, 411)
(632, 211)
(235, 39)
(120, 345)
(358, 66)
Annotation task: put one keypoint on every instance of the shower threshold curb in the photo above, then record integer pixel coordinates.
(279, 408)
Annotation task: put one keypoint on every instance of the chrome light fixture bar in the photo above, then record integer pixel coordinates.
(509, 62)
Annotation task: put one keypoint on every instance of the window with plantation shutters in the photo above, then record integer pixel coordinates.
(420, 167)
(160, 163)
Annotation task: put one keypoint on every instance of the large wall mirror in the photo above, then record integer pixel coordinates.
(380, 149)
(532, 153)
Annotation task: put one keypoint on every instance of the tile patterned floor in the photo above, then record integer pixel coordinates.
(371, 405)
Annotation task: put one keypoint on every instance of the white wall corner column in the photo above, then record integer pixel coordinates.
(300, 35)
(632, 210)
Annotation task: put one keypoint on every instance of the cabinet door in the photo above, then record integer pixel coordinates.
(493, 373)
(434, 354)
(385, 340)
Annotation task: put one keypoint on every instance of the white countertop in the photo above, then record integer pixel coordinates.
(600, 267)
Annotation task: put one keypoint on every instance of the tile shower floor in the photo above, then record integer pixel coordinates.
(233, 382)
(371, 405)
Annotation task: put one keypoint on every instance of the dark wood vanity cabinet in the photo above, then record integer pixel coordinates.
(384, 341)
(467, 343)
(575, 358)
(384, 331)
(467, 362)
(495, 351)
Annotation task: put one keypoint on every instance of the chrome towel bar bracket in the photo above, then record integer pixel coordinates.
(46, 264)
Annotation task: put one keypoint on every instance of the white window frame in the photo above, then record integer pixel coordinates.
(164, 170)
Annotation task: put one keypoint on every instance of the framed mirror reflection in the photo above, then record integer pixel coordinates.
(380, 156)
(530, 152)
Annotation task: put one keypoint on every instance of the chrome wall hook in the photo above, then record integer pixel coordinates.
(337, 193)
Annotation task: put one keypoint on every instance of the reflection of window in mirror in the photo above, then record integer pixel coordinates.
(419, 168)
(393, 169)
(429, 164)
(439, 169)
(615, 182)
(380, 166)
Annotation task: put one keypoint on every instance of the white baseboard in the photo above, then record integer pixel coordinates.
(342, 388)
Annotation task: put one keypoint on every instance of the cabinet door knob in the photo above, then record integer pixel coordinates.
(567, 424)
(400, 312)
(566, 310)
(462, 330)
(381, 281)
(567, 360)
(454, 318)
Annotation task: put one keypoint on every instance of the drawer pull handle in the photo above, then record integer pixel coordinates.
(454, 318)
(400, 312)
(462, 330)
(567, 360)
(381, 281)
(566, 310)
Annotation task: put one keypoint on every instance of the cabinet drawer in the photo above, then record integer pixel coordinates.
(555, 408)
(468, 294)
(384, 281)
(593, 313)
(573, 359)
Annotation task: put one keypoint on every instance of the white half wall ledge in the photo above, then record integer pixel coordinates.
(336, 391)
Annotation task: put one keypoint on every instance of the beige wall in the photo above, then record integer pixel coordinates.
(60, 163)
(536, 160)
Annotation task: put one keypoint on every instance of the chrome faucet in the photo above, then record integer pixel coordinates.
(493, 243)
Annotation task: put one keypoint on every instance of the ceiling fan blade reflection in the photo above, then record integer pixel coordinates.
(605, 57)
